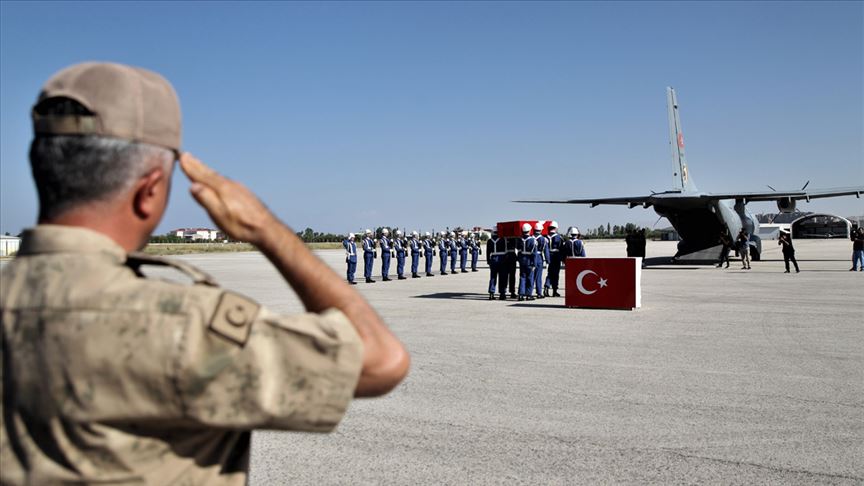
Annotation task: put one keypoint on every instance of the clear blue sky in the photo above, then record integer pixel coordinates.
(422, 115)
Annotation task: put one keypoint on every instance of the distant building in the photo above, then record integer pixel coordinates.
(9, 245)
(821, 226)
(668, 234)
(198, 234)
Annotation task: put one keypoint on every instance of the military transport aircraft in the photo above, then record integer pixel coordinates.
(701, 217)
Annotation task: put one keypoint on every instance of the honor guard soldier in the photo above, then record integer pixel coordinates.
(454, 251)
(369, 255)
(510, 263)
(541, 258)
(496, 250)
(443, 251)
(556, 243)
(527, 261)
(386, 253)
(574, 247)
(350, 257)
(401, 246)
(463, 251)
(111, 377)
(474, 246)
(429, 253)
(414, 245)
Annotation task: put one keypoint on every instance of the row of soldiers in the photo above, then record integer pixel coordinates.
(533, 252)
(449, 244)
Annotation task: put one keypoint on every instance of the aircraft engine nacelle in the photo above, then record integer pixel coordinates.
(786, 205)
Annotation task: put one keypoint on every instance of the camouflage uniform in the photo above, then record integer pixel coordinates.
(109, 376)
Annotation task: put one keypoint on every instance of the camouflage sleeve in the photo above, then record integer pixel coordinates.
(246, 367)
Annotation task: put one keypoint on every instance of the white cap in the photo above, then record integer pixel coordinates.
(526, 227)
(574, 231)
(452, 233)
(443, 233)
(553, 224)
(414, 234)
(350, 236)
(368, 232)
(538, 226)
(385, 231)
(428, 234)
(398, 232)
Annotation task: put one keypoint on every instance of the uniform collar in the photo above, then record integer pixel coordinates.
(52, 238)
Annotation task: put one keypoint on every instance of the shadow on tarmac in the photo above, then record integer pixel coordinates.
(454, 295)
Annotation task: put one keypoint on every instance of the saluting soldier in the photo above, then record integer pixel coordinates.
(429, 253)
(350, 257)
(556, 256)
(111, 377)
(401, 247)
(369, 255)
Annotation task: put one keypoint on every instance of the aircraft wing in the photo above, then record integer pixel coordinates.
(794, 195)
(624, 201)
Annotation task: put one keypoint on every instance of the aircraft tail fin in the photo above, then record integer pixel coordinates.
(681, 179)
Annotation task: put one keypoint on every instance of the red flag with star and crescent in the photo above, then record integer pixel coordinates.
(603, 283)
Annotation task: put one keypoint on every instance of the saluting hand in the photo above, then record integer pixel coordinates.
(233, 207)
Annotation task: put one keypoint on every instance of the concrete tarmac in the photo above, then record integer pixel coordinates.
(723, 376)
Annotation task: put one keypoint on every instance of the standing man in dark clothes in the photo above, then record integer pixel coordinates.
(727, 246)
(858, 249)
(788, 250)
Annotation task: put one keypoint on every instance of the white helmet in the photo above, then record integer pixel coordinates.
(526, 228)
(538, 226)
(453, 234)
(350, 236)
(368, 232)
(574, 231)
(428, 235)
(385, 231)
(414, 234)
(464, 232)
(443, 233)
(398, 232)
(553, 224)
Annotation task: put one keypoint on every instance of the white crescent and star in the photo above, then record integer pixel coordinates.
(584, 273)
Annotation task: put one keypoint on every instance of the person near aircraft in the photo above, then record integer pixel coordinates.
(369, 255)
(443, 251)
(556, 242)
(724, 252)
(429, 253)
(350, 257)
(527, 261)
(743, 242)
(858, 249)
(785, 241)
(574, 247)
(541, 257)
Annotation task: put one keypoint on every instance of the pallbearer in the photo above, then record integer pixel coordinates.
(400, 246)
(496, 250)
(368, 256)
(527, 260)
(556, 255)
(443, 251)
(474, 246)
(541, 257)
(414, 245)
(429, 253)
(350, 257)
(386, 249)
(574, 247)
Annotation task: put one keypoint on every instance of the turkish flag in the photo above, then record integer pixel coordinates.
(604, 283)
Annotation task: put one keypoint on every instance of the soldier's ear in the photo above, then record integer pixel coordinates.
(151, 193)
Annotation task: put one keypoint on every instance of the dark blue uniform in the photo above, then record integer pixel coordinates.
(573, 248)
(510, 260)
(540, 258)
(462, 243)
(399, 246)
(350, 258)
(429, 254)
(384, 244)
(556, 256)
(443, 250)
(414, 244)
(496, 250)
(527, 260)
(474, 246)
(368, 256)
(454, 253)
